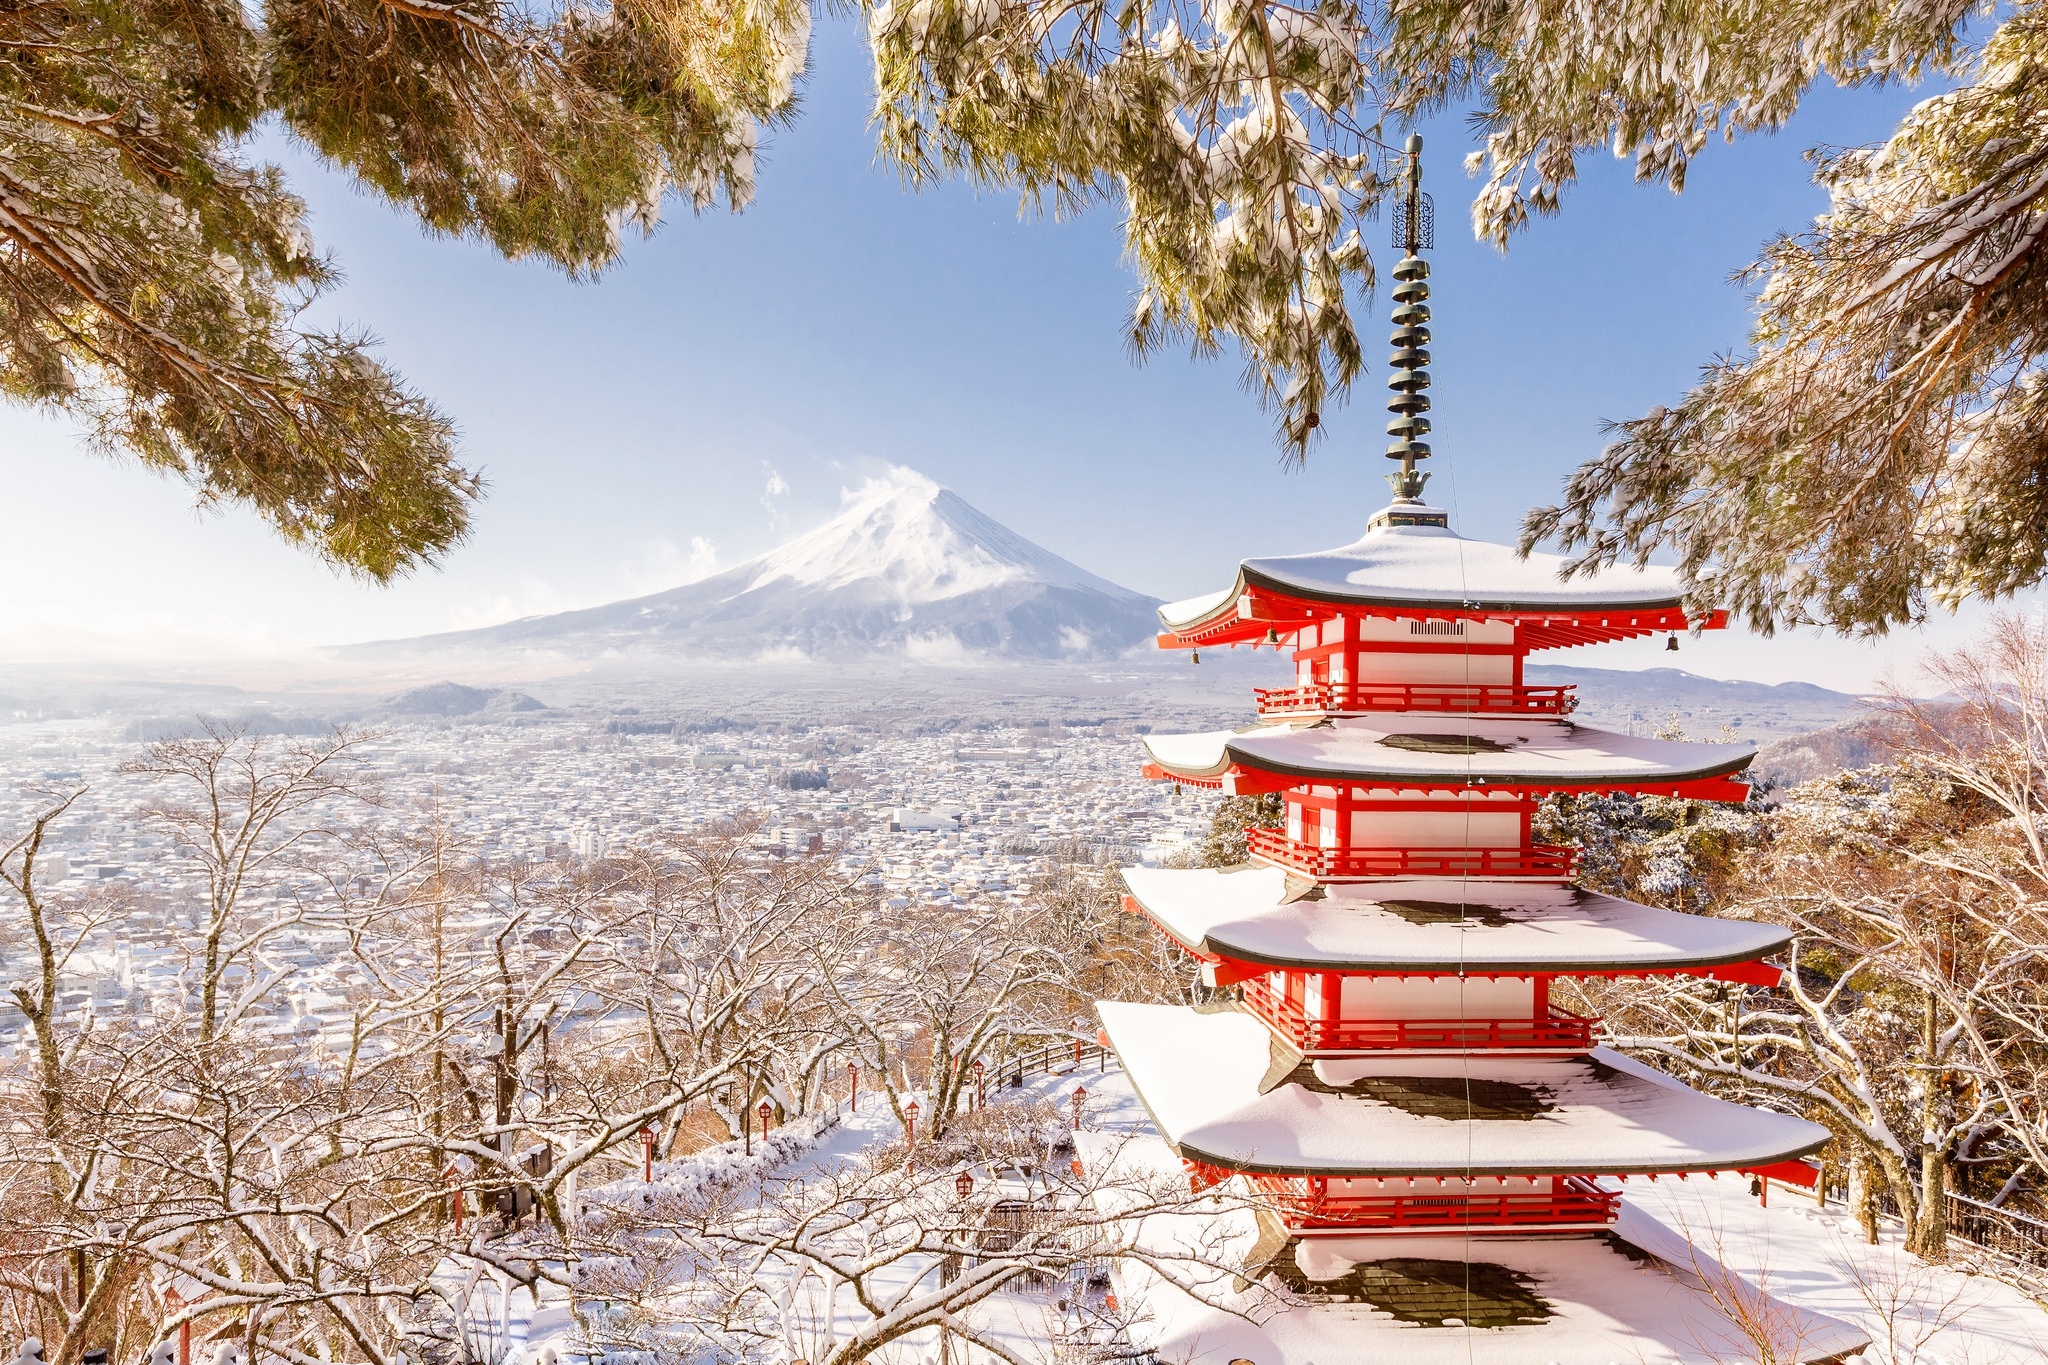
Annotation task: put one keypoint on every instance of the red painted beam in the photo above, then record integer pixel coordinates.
(1790, 1172)
(1229, 971)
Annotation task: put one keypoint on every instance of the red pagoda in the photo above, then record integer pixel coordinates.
(1382, 1065)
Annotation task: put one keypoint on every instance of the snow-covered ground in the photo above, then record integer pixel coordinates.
(1812, 1260)
(1914, 1313)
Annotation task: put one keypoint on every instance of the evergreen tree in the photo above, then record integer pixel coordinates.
(151, 274)
(1881, 446)
(1225, 844)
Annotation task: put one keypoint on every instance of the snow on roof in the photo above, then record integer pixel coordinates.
(1397, 566)
(1195, 608)
(1811, 1261)
(1435, 745)
(1596, 1299)
(1259, 914)
(1200, 1076)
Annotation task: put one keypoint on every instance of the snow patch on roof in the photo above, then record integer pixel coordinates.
(1435, 566)
(1603, 1305)
(1193, 608)
(1432, 564)
(1254, 914)
(1199, 1075)
(1513, 748)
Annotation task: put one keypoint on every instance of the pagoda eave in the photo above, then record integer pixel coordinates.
(1257, 605)
(1268, 919)
(1230, 968)
(1542, 629)
(1222, 1091)
(1241, 779)
(1428, 751)
(1266, 942)
(1637, 1292)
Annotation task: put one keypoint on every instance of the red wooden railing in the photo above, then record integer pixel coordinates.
(1472, 699)
(1539, 860)
(1304, 1202)
(1558, 1033)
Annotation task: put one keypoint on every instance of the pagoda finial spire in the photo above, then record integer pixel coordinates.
(1414, 233)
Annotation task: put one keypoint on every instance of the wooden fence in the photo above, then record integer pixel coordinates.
(1054, 1057)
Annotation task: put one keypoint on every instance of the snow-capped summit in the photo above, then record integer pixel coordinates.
(906, 567)
(909, 536)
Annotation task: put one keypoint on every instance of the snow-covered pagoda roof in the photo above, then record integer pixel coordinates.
(1222, 1090)
(1269, 917)
(1408, 750)
(1641, 1292)
(1403, 569)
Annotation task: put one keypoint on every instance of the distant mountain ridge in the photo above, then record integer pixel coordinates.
(456, 699)
(907, 567)
(1642, 700)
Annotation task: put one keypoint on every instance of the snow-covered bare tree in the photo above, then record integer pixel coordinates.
(934, 989)
(287, 1159)
(719, 972)
(250, 811)
(833, 1260)
(1108, 952)
(1888, 981)
(1913, 1018)
(230, 1157)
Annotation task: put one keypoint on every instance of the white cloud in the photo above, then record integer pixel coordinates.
(703, 557)
(533, 598)
(776, 487)
(893, 479)
(667, 565)
(944, 649)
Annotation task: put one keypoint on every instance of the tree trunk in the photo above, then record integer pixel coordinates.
(1927, 1235)
(1927, 1228)
(1862, 1197)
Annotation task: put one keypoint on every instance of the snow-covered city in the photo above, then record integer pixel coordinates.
(956, 818)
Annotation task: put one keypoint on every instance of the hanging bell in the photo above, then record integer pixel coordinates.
(1273, 636)
(1194, 656)
(1671, 645)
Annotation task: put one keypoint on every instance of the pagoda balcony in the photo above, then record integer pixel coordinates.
(1355, 698)
(1305, 1203)
(1547, 861)
(1559, 1032)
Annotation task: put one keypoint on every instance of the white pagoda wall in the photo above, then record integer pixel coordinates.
(1386, 997)
(1455, 670)
(1436, 829)
(1450, 653)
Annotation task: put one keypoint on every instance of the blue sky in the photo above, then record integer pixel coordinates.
(714, 393)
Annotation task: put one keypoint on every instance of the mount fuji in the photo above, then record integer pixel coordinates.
(907, 567)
